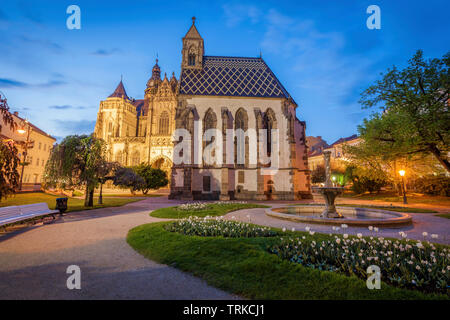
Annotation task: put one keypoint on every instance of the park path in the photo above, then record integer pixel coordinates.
(33, 261)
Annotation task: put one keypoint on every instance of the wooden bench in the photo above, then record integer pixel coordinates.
(13, 214)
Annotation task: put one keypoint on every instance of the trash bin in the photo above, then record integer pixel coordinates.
(61, 205)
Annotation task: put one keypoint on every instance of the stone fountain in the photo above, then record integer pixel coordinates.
(329, 191)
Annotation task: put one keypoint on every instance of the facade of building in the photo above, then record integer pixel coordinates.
(224, 93)
(337, 159)
(38, 151)
(231, 93)
(140, 131)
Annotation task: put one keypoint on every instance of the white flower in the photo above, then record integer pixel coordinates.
(419, 245)
(293, 229)
(312, 232)
(307, 228)
(424, 234)
(434, 236)
(284, 229)
(338, 240)
(359, 235)
(343, 226)
(370, 228)
(345, 236)
(376, 229)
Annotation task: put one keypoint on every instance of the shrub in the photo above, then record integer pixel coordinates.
(434, 185)
(218, 228)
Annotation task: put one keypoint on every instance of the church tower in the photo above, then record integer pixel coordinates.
(193, 49)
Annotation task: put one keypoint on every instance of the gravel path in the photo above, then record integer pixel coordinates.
(33, 261)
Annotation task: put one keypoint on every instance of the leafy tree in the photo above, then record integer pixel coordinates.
(74, 163)
(415, 118)
(127, 178)
(9, 160)
(9, 176)
(105, 172)
(318, 175)
(153, 178)
(362, 180)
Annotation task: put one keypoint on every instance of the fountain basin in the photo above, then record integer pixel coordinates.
(352, 216)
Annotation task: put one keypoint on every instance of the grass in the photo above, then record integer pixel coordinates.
(73, 204)
(129, 195)
(393, 208)
(243, 266)
(444, 215)
(390, 196)
(211, 210)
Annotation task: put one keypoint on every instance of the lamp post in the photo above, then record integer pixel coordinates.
(402, 174)
(25, 151)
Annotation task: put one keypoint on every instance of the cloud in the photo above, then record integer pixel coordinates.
(75, 126)
(53, 46)
(235, 14)
(66, 107)
(11, 83)
(106, 52)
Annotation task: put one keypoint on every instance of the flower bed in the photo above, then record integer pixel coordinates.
(206, 205)
(406, 264)
(218, 228)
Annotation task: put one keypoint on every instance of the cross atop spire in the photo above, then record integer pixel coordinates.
(193, 20)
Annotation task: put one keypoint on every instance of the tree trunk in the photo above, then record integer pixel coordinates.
(437, 153)
(100, 196)
(91, 198)
(86, 197)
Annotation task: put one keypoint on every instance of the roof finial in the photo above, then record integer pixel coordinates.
(193, 20)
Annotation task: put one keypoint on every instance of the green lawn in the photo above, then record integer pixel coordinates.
(129, 195)
(73, 204)
(211, 210)
(393, 208)
(394, 197)
(243, 266)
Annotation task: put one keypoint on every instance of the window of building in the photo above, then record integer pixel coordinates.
(42, 162)
(207, 183)
(40, 144)
(164, 123)
(191, 60)
(241, 177)
(135, 159)
(37, 161)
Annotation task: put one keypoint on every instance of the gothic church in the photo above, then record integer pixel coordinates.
(224, 93)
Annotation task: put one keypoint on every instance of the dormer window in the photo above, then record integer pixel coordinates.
(191, 60)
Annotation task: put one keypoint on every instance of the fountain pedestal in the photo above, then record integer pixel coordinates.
(329, 192)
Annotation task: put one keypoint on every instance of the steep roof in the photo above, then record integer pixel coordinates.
(119, 92)
(192, 32)
(341, 140)
(35, 128)
(232, 76)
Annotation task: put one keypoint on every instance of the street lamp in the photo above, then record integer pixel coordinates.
(27, 143)
(402, 174)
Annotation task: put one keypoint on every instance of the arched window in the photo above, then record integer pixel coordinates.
(191, 59)
(270, 122)
(241, 141)
(164, 123)
(209, 122)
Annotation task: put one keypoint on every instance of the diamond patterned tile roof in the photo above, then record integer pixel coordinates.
(232, 76)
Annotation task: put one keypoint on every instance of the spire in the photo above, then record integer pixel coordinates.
(120, 91)
(156, 71)
(193, 32)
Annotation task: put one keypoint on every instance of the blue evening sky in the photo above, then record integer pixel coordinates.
(321, 51)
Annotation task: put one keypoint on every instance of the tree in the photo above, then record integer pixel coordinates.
(127, 178)
(318, 175)
(74, 163)
(9, 176)
(362, 180)
(105, 172)
(9, 160)
(153, 178)
(415, 118)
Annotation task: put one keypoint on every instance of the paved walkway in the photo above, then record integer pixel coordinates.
(33, 260)
(421, 222)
